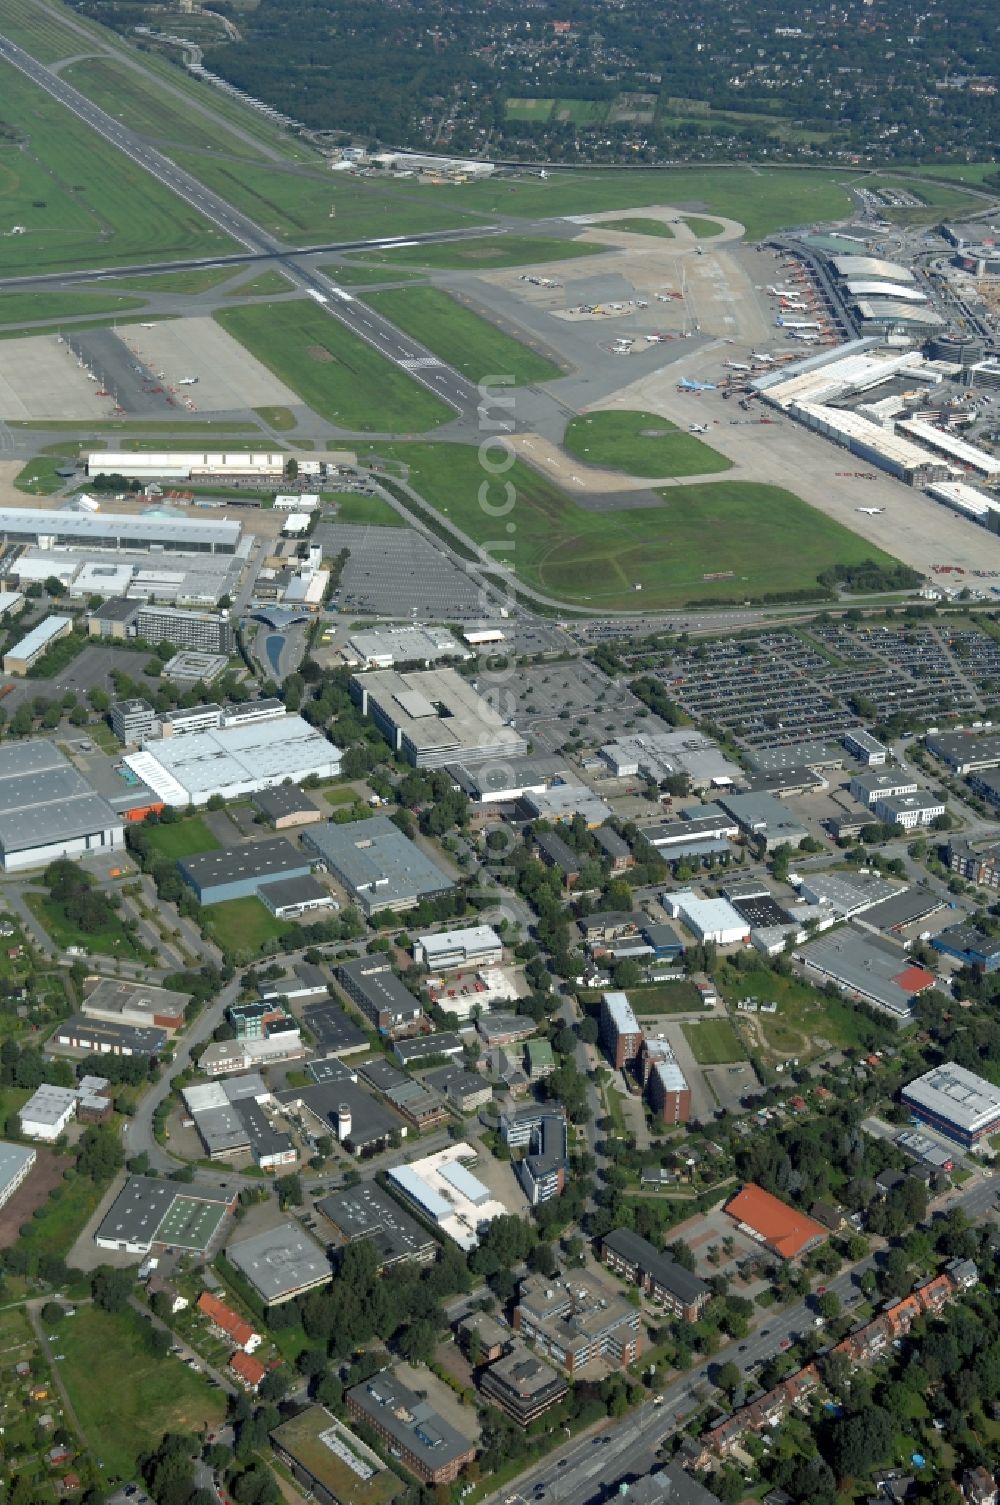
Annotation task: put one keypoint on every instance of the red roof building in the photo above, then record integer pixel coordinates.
(248, 1370)
(228, 1322)
(914, 979)
(780, 1228)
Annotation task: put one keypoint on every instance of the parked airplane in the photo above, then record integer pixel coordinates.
(147, 326)
(687, 385)
(188, 381)
(804, 336)
(792, 325)
(697, 428)
(736, 365)
(870, 511)
(765, 360)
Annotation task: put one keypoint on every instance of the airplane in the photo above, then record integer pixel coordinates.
(870, 511)
(188, 381)
(697, 428)
(736, 365)
(765, 360)
(687, 385)
(147, 326)
(792, 325)
(804, 336)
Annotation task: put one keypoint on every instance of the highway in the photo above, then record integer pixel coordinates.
(415, 359)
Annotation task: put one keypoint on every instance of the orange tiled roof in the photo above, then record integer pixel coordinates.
(781, 1227)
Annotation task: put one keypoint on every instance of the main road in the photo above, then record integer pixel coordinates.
(415, 359)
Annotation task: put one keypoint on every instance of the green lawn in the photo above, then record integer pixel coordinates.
(125, 1398)
(344, 380)
(38, 477)
(534, 110)
(352, 507)
(279, 418)
(680, 997)
(713, 1042)
(703, 228)
(362, 276)
(581, 111)
(807, 1023)
(489, 251)
(263, 285)
(181, 838)
(63, 1217)
(21, 308)
(113, 940)
(471, 344)
(762, 539)
(242, 925)
(639, 226)
(194, 280)
(81, 201)
(640, 444)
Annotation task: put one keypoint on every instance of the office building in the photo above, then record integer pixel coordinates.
(475, 946)
(286, 806)
(463, 1091)
(543, 1168)
(132, 721)
(909, 810)
(435, 717)
(121, 619)
(782, 1229)
(524, 1386)
(330, 1464)
(140, 1004)
(882, 783)
(866, 748)
(655, 1273)
(241, 872)
(430, 1447)
(966, 751)
(242, 757)
(365, 1211)
(371, 983)
(447, 1194)
(260, 1018)
(576, 1319)
(379, 866)
(36, 643)
(281, 1263)
(619, 1028)
(105, 1037)
(962, 1106)
(16, 1162)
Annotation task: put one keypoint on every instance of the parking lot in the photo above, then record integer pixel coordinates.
(553, 703)
(395, 572)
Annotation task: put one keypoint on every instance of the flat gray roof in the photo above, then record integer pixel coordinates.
(367, 1211)
(280, 1262)
(761, 812)
(13, 1159)
(275, 857)
(412, 1422)
(380, 865)
(142, 1204)
(371, 1120)
(808, 754)
(172, 532)
(283, 799)
(957, 1095)
(45, 800)
(438, 711)
(877, 971)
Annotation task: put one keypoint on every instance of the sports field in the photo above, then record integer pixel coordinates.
(341, 378)
(191, 1223)
(713, 1042)
(82, 203)
(761, 540)
(636, 225)
(471, 344)
(487, 252)
(181, 838)
(640, 444)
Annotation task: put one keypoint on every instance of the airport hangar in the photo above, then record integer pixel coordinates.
(48, 810)
(51, 529)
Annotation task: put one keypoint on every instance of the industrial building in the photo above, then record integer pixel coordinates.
(365, 1211)
(782, 1229)
(290, 898)
(969, 501)
(524, 1386)
(329, 1463)
(106, 1037)
(435, 717)
(508, 780)
(709, 919)
(241, 872)
(763, 818)
(423, 1441)
(187, 465)
(281, 1263)
(201, 631)
(234, 760)
(51, 529)
(662, 755)
(420, 1106)
(870, 969)
(966, 751)
(230, 1119)
(620, 1033)
(443, 951)
(464, 1091)
(286, 806)
(957, 451)
(655, 1273)
(140, 1004)
(36, 643)
(16, 1162)
(149, 1211)
(48, 810)
(361, 1124)
(334, 1032)
(379, 866)
(968, 945)
(561, 803)
(447, 1195)
(387, 646)
(50, 1110)
(965, 1108)
(370, 982)
(577, 1319)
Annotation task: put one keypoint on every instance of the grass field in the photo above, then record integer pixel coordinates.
(21, 308)
(113, 940)
(62, 1218)
(181, 838)
(703, 228)
(38, 477)
(344, 380)
(125, 1398)
(713, 1042)
(242, 925)
(639, 226)
(471, 344)
(488, 252)
(363, 276)
(770, 540)
(352, 507)
(264, 285)
(536, 111)
(194, 280)
(807, 1023)
(81, 202)
(680, 997)
(65, 326)
(278, 418)
(640, 444)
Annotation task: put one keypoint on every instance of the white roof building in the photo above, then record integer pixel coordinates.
(448, 1194)
(709, 919)
(478, 946)
(234, 760)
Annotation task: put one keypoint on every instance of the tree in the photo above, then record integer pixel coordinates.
(828, 1305)
(728, 1378)
(52, 1313)
(110, 1288)
(99, 1154)
(289, 1189)
(856, 1442)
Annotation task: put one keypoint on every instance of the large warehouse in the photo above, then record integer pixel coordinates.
(50, 529)
(962, 1106)
(240, 872)
(48, 810)
(185, 465)
(234, 760)
(379, 866)
(435, 717)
